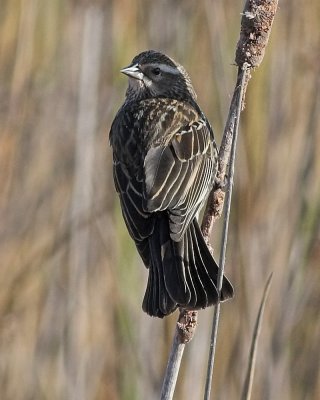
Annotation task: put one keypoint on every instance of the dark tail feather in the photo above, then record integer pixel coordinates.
(157, 301)
(210, 267)
(181, 273)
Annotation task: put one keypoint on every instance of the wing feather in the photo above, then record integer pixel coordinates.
(168, 164)
(180, 175)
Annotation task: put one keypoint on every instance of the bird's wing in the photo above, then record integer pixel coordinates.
(127, 175)
(130, 191)
(180, 170)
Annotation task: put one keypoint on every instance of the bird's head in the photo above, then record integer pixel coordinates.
(153, 74)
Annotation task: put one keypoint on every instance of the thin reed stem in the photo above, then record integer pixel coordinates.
(247, 386)
(233, 120)
(184, 332)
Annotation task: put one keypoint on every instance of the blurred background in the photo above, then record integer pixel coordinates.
(71, 282)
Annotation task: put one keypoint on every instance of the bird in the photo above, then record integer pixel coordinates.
(164, 167)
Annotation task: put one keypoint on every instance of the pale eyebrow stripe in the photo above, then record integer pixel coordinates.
(165, 68)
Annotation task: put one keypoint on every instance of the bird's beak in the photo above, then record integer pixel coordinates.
(133, 71)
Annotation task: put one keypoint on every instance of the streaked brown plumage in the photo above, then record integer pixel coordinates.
(164, 167)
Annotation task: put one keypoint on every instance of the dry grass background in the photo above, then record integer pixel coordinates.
(71, 283)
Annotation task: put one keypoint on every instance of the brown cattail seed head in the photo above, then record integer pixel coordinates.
(256, 22)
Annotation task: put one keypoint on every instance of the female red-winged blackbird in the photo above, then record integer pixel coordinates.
(164, 167)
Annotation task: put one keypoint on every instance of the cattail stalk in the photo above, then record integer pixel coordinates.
(256, 23)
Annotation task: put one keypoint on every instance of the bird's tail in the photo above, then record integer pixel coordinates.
(181, 274)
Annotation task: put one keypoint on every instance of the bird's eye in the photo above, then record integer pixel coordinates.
(156, 71)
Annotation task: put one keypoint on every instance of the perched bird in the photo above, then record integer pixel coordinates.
(164, 166)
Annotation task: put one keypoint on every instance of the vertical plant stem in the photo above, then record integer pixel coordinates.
(247, 387)
(184, 332)
(82, 198)
(173, 367)
(235, 111)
